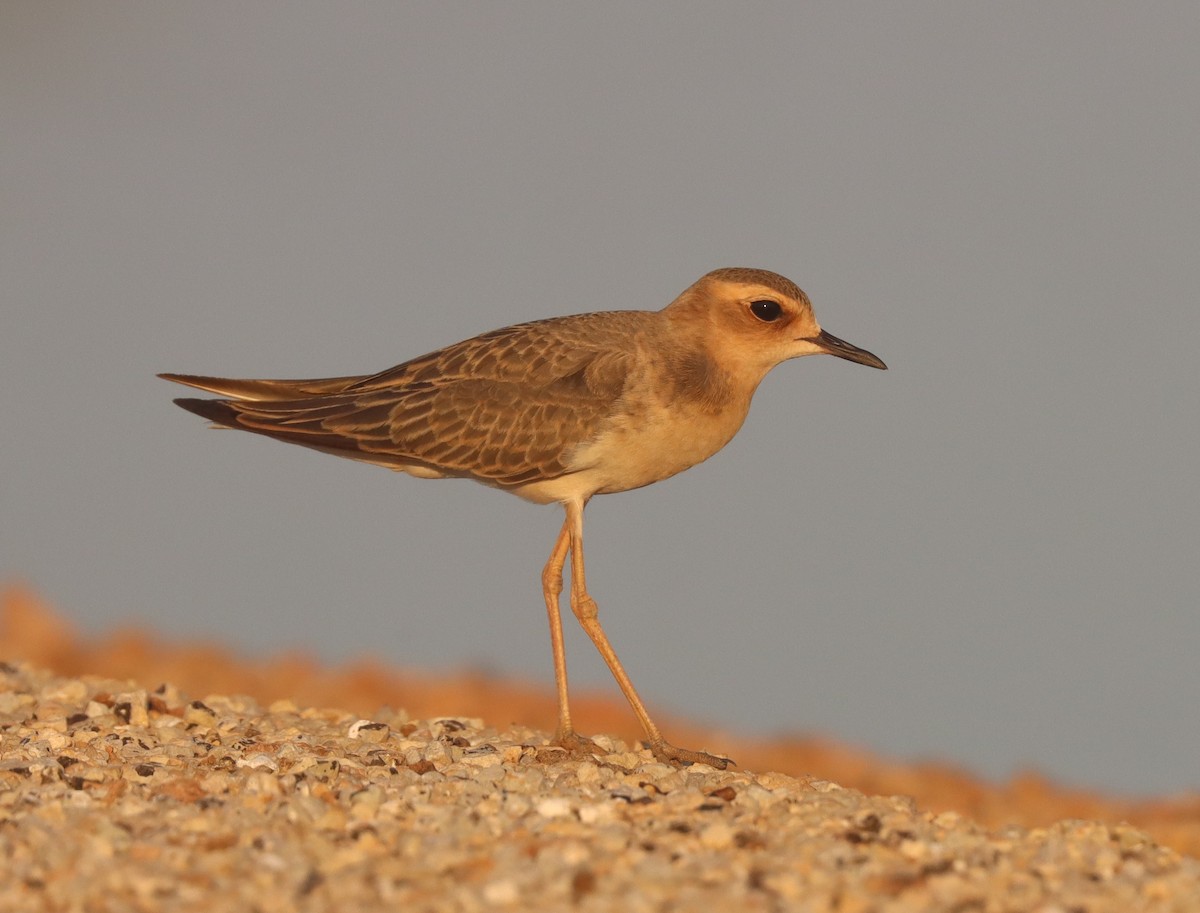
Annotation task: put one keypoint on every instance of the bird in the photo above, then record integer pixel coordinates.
(557, 411)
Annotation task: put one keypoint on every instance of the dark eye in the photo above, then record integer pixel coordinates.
(766, 310)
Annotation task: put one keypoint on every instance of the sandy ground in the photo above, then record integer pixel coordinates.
(958, 841)
(114, 797)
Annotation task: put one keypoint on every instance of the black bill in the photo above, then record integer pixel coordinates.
(843, 349)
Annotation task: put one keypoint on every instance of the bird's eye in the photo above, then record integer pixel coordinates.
(766, 310)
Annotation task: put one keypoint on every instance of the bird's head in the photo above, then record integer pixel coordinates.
(754, 319)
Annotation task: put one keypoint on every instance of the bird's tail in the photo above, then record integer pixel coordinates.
(264, 391)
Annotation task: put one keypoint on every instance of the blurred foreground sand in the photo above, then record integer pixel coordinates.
(31, 631)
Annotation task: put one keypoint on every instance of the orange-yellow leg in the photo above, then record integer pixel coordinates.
(552, 584)
(586, 611)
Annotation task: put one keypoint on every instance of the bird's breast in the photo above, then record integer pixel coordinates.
(652, 442)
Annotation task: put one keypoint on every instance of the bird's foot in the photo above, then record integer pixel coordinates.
(682, 757)
(576, 745)
(580, 746)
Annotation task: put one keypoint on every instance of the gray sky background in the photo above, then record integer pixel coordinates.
(988, 554)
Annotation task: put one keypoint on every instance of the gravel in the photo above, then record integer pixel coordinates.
(114, 798)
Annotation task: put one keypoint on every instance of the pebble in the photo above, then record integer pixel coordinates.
(555, 807)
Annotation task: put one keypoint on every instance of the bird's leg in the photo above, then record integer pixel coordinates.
(586, 611)
(552, 584)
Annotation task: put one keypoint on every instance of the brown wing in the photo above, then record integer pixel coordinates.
(506, 408)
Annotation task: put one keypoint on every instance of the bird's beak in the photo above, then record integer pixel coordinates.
(842, 349)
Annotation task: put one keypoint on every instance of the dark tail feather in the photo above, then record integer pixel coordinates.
(241, 416)
(216, 411)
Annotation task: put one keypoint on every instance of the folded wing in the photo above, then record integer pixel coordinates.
(506, 408)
